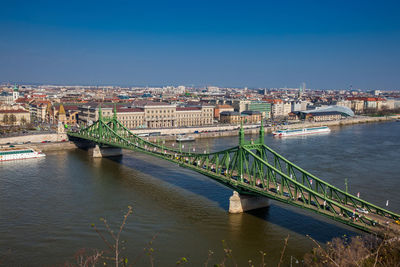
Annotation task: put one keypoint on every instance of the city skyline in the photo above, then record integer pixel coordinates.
(227, 44)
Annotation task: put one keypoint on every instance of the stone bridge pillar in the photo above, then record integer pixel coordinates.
(241, 203)
(100, 152)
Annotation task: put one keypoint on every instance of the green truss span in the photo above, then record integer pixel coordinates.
(255, 169)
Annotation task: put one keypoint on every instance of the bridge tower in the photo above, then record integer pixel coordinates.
(261, 137)
(115, 118)
(241, 152)
(239, 203)
(100, 151)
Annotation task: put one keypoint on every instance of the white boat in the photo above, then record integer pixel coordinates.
(19, 153)
(303, 131)
(183, 138)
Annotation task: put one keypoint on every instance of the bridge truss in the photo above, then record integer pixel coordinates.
(255, 169)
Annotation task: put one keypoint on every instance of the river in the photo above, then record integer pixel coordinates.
(47, 205)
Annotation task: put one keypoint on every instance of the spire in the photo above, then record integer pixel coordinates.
(100, 113)
(49, 110)
(241, 134)
(115, 112)
(15, 89)
(61, 111)
(262, 132)
(114, 123)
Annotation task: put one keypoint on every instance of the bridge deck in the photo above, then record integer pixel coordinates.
(253, 168)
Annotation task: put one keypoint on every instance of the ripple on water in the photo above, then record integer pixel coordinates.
(48, 205)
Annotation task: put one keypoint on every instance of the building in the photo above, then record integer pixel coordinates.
(61, 115)
(231, 117)
(131, 117)
(323, 116)
(369, 103)
(357, 106)
(221, 108)
(71, 113)
(234, 117)
(240, 105)
(6, 98)
(150, 114)
(194, 116)
(295, 106)
(14, 116)
(280, 109)
(261, 106)
(251, 116)
(15, 93)
(159, 115)
(344, 103)
(38, 111)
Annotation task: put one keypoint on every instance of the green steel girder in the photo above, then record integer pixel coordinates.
(250, 168)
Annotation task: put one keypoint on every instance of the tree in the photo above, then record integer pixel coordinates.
(12, 119)
(23, 121)
(6, 119)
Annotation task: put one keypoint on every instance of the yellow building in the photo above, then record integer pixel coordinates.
(14, 116)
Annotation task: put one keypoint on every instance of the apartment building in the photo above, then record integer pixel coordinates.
(14, 116)
(221, 108)
(280, 109)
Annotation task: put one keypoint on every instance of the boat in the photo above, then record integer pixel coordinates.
(303, 131)
(7, 154)
(183, 138)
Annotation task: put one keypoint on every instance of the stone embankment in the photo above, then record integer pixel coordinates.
(234, 132)
(34, 138)
(348, 121)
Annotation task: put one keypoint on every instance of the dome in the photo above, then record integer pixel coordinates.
(343, 110)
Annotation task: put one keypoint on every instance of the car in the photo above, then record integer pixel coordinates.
(350, 214)
(235, 177)
(362, 210)
(273, 190)
(397, 222)
(63, 140)
(300, 199)
(12, 146)
(313, 203)
(286, 194)
(328, 208)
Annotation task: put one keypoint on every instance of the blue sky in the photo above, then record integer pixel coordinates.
(327, 44)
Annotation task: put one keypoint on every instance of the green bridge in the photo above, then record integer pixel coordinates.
(254, 169)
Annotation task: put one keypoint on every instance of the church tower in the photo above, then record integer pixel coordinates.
(15, 93)
(62, 115)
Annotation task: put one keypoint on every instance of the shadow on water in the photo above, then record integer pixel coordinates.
(179, 177)
(302, 223)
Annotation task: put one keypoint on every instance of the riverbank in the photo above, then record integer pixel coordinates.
(54, 140)
(253, 130)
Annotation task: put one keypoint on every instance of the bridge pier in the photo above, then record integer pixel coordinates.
(241, 203)
(100, 152)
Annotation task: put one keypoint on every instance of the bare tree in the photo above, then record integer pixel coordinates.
(6, 119)
(12, 119)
